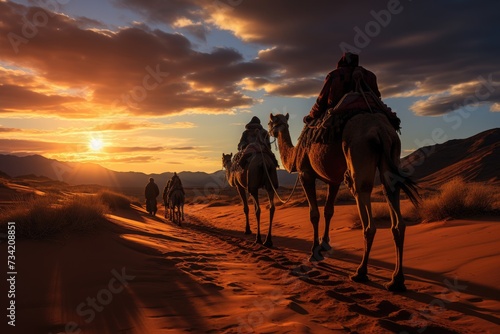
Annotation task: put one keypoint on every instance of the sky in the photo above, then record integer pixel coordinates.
(156, 86)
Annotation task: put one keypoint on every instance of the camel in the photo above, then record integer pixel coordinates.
(165, 196)
(368, 142)
(176, 204)
(258, 173)
(175, 197)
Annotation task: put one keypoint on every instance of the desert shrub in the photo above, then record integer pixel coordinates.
(344, 195)
(114, 199)
(42, 217)
(459, 199)
(382, 217)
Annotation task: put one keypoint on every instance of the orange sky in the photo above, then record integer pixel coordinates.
(168, 86)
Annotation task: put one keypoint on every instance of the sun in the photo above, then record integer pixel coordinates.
(96, 144)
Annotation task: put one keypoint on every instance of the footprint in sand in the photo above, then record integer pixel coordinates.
(340, 297)
(236, 287)
(361, 295)
(345, 289)
(400, 315)
(297, 308)
(385, 307)
(212, 286)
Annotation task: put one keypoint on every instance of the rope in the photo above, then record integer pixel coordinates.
(272, 185)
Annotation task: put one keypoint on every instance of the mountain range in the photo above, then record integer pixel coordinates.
(475, 159)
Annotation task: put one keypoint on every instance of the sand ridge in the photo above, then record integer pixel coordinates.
(207, 277)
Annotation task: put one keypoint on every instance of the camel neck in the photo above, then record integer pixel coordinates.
(228, 171)
(287, 150)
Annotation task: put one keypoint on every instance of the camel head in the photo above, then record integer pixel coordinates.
(277, 123)
(226, 160)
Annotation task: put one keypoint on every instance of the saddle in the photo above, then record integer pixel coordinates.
(243, 157)
(330, 126)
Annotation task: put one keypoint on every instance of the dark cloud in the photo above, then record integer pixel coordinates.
(20, 98)
(138, 70)
(416, 48)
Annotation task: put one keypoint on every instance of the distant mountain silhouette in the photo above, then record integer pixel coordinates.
(475, 159)
(89, 173)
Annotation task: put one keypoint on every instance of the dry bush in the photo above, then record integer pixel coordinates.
(114, 199)
(382, 217)
(344, 196)
(459, 199)
(41, 217)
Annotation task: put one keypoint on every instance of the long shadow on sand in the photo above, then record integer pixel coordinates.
(336, 265)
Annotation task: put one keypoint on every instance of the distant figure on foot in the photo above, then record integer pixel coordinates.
(151, 192)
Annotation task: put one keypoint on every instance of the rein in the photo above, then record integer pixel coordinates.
(272, 185)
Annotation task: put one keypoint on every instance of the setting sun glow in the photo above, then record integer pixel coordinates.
(96, 144)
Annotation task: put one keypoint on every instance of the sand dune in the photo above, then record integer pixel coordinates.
(140, 274)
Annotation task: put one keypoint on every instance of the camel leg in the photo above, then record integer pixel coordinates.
(359, 176)
(369, 230)
(309, 186)
(269, 238)
(329, 209)
(243, 196)
(398, 228)
(255, 195)
(179, 214)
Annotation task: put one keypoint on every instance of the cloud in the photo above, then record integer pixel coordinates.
(20, 98)
(88, 72)
(132, 149)
(184, 148)
(467, 95)
(139, 125)
(77, 67)
(132, 159)
(415, 49)
(38, 146)
(8, 130)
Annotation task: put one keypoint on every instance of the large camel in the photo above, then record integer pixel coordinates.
(368, 142)
(260, 172)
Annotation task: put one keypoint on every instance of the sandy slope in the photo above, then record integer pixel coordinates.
(142, 275)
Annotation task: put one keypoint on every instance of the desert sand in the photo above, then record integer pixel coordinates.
(142, 274)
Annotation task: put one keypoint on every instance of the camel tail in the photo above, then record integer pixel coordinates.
(393, 179)
(410, 188)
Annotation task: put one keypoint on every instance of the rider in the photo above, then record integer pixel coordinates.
(339, 82)
(253, 140)
(176, 183)
(151, 192)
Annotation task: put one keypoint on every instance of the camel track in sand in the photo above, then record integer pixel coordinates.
(320, 291)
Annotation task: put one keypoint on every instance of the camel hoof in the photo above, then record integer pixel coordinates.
(325, 246)
(396, 286)
(316, 257)
(258, 242)
(268, 243)
(248, 231)
(359, 278)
